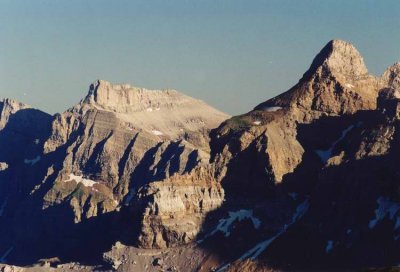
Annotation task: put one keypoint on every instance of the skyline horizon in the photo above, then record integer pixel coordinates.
(84, 94)
(233, 55)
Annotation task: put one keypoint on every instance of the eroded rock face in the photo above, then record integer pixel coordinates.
(314, 168)
(174, 209)
(7, 108)
(391, 76)
(123, 137)
(331, 142)
(337, 83)
(388, 102)
(98, 154)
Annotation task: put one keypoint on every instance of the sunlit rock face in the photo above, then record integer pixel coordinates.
(331, 139)
(174, 209)
(125, 137)
(144, 180)
(90, 161)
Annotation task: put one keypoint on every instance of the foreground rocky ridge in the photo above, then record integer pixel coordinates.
(306, 180)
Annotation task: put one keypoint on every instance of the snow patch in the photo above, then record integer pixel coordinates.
(271, 109)
(329, 246)
(254, 252)
(81, 179)
(386, 207)
(325, 155)
(240, 215)
(32, 161)
(225, 224)
(300, 211)
(257, 122)
(129, 196)
(5, 255)
(157, 132)
(223, 267)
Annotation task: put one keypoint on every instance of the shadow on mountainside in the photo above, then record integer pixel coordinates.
(342, 197)
(33, 229)
(334, 232)
(34, 233)
(30, 232)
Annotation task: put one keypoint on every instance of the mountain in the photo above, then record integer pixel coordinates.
(337, 82)
(322, 155)
(79, 170)
(136, 180)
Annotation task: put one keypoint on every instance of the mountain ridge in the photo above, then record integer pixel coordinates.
(306, 180)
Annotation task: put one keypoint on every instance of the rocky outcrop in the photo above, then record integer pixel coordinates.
(91, 160)
(336, 83)
(391, 77)
(173, 210)
(3, 166)
(121, 138)
(330, 142)
(7, 108)
(389, 102)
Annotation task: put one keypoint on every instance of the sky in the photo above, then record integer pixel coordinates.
(231, 54)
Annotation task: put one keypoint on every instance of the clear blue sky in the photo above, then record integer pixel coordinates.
(231, 54)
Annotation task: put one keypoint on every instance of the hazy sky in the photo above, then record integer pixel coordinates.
(231, 54)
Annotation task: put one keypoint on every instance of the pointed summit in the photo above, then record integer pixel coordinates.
(337, 82)
(339, 57)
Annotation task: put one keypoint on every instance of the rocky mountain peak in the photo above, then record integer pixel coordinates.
(339, 57)
(12, 104)
(7, 108)
(337, 82)
(391, 76)
(125, 98)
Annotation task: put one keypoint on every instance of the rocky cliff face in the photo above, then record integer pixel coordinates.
(95, 157)
(7, 108)
(337, 83)
(328, 144)
(155, 180)
(175, 209)
(120, 138)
